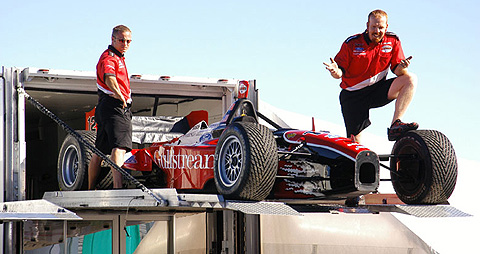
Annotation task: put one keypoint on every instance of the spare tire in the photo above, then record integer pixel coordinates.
(246, 161)
(424, 167)
(73, 160)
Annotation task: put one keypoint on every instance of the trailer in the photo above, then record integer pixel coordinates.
(68, 95)
(39, 218)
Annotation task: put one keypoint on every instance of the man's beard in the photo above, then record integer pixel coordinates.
(376, 37)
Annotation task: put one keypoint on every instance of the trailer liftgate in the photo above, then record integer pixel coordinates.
(220, 221)
(207, 223)
(189, 223)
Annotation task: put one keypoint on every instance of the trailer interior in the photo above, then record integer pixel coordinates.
(70, 95)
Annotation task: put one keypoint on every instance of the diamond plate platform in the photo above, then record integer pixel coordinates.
(271, 208)
(35, 210)
(432, 211)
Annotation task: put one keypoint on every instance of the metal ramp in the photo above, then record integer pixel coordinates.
(38, 211)
(34, 210)
(423, 211)
(138, 200)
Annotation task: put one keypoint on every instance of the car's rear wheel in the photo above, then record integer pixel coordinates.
(424, 167)
(72, 165)
(246, 161)
(73, 160)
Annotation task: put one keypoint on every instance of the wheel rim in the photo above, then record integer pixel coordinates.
(231, 161)
(70, 166)
(411, 171)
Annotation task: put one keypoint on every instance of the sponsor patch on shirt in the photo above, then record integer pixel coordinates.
(387, 47)
(359, 50)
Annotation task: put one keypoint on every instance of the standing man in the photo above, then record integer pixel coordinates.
(362, 64)
(112, 114)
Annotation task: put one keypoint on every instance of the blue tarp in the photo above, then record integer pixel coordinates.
(101, 242)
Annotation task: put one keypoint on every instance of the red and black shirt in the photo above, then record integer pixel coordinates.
(364, 63)
(112, 63)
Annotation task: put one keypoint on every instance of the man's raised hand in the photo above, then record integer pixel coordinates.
(406, 62)
(333, 69)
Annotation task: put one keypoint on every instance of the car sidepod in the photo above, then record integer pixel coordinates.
(322, 165)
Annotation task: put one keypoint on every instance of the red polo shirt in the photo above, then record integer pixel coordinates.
(364, 63)
(112, 63)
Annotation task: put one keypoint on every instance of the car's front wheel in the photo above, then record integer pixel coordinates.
(424, 167)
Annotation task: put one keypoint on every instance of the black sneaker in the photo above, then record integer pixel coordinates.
(398, 128)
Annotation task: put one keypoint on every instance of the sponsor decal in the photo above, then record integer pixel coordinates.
(332, 136)
(204, 137)
(131, 160)
(359, 51)
(386, 48)
(242, 88)
(291, 135)
(306, 188)
(325, 134)
(357, 146)
(311, 132)
(170, 158)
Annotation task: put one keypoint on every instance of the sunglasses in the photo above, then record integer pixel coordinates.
(123, 40)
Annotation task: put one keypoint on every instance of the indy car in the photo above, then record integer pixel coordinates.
(242, 159)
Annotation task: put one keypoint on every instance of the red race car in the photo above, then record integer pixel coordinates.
(242, 159)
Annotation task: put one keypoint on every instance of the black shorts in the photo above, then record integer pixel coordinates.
(114, 124)
(357, 104)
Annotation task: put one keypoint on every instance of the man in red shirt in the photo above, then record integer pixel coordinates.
(112, 114)
(362, 64)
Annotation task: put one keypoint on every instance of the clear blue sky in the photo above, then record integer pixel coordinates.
(281, 44)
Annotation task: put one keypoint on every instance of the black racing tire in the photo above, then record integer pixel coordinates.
(424, 167)
(73, 160)
(246, 161)
(106, 181)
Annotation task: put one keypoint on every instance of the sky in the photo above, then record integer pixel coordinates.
(280, 44)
